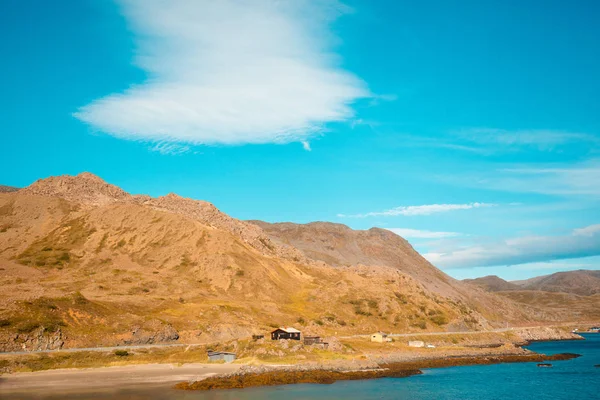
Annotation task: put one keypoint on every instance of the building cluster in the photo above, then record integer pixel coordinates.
(290, 333)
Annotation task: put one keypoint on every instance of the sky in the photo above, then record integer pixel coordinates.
(470, 128)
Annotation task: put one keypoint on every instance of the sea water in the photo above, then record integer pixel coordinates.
(572, 379)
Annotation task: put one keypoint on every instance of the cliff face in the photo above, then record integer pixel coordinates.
(85, 257)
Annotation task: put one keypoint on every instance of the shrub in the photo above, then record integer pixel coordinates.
(4, 323)
(301, 320)
(318, 322)
(28, 327)
(420, 324)
(439, 319)
(121, 353)
(372, 303)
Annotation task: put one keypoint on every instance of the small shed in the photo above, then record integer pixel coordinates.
(416, 343)
(285, 333)
(379, 337)
(310, 340)
(221, 355)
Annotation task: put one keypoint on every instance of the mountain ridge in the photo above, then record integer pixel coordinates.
(85, 259)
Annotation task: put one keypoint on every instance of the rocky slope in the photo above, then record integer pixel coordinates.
(581, 282)
(563, 296)
(100, 266)
(6, 189)
(492, 283)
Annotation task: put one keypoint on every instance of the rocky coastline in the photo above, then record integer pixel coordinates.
(253, 376)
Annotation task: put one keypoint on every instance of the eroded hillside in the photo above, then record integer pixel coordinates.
(83, 263)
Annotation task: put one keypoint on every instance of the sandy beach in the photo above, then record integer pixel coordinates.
(96, 378)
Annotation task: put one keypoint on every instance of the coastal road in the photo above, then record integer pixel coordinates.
(107, 349)
(149, 346)
(499, 330)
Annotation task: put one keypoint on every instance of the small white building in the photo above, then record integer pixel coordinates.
(380, 337)
(416, 343)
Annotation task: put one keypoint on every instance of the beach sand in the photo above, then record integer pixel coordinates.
(95, 378)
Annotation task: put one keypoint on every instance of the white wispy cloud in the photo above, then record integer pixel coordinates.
(230, 72)
(560, 179)
(408, 233)
(427, 209)
(170, 148)
(541, 139)
(582, 242)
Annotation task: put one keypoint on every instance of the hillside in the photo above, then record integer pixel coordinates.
(492, 283)
(568, 296)
(6, 189)
(85, 263)
(581, 282)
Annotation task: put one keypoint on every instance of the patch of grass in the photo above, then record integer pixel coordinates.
(421, 324)
(27, 327)
(439, 319)
(53, 250)
(402, 298)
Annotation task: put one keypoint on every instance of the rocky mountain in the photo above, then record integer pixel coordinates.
(84, 263)
(493, 283)
(570, 296)
(581, 282)
(6, 189)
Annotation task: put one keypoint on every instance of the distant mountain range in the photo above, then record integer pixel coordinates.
(580, 282)
(7, 189)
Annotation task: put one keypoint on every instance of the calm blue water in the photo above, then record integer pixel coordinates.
(572, 379)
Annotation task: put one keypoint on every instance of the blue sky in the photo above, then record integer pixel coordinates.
(470, 128)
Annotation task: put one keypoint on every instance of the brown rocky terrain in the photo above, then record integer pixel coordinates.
(581, 282)
(562, 296)
(493, 283)
(6, 189)
(84, 263)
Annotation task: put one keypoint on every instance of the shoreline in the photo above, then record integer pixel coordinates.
(186, 374)
(298, 374)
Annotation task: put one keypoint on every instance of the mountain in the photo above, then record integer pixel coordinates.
(493, 283)
(339, 246)
(6, 189)
(581, 282)
(85, 263)
(568, 296)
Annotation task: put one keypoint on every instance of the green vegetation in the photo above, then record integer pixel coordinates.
(121, 353)
(54, 249)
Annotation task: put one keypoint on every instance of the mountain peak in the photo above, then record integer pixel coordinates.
(85, 188)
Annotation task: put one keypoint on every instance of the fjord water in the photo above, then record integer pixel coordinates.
(572, 379)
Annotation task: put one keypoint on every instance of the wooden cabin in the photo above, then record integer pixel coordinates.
(285, 333)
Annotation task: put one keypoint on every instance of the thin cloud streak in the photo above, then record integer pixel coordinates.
(540, 139)
(230, 72)
(427, 209)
